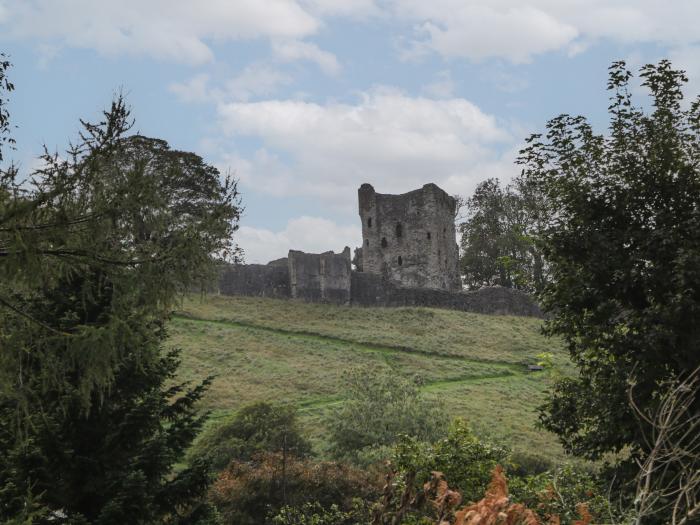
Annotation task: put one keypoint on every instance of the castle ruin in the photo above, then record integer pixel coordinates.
(409, 257)
(410, 238)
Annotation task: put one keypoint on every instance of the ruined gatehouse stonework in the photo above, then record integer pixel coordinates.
(409, 257)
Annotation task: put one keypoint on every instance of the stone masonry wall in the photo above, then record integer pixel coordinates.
(373, 290)
(410, 238)
(259, 280)
(323, 277)
(365, 289)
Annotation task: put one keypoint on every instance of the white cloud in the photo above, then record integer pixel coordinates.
(353, 8)
(195, 89)
(292, 50)
(442, 87)
(481, 32)
(310, 234)
(166, 29)
(517, 30)
(256, 80)
(396, 142)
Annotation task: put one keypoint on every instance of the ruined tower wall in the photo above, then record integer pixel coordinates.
(320, 277)
(410, 238)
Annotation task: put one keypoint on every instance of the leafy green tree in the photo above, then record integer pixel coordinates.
(381, 406)
(497, 243)
(95, 248)
(622, 241)
(260, 427)
(465, 460)
(5, 87)
(143, 219)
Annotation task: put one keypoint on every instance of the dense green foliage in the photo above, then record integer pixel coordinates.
(94, 250)
(559, 491)
(315, 514)
(467, 462)
(381, 406)
(111, 464)
(260, 427)
(141, 219)
(497, 241)
(622, 239)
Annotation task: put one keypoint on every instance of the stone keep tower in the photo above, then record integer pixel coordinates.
(410, 238)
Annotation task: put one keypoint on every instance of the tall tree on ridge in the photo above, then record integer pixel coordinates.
(95, 248)
(622, 239)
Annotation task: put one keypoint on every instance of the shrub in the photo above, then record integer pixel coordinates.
(260, 427)
(315, 514)
(465, 460)
(380, 407)
(439, 504)
(252, 492)
(418, 469)
(560, 491)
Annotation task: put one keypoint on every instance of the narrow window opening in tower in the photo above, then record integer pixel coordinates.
(428, 235)
(400, 261)
(444, 230)
(384, 243)
(399, 230)
(369, 222)
(367, 242)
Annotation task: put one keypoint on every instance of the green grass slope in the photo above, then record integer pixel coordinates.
(276, 350)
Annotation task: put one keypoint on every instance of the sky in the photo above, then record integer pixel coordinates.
(304, 100)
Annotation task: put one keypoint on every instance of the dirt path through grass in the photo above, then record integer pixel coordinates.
(357, 345)
(281, 351)
(505, 369)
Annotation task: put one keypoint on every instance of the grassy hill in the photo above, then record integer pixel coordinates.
(276, 350)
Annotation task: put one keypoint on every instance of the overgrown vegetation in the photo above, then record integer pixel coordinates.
(254, 492)
(379, 407)
(622, 238)
(98, 245)
(95, 246)
(418, 469)
(254, 429)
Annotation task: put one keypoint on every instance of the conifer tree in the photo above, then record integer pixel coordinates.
(96, 246)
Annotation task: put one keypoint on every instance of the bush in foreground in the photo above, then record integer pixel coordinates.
(260, 427)
(252, 492)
